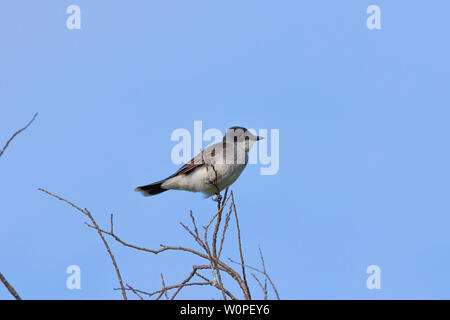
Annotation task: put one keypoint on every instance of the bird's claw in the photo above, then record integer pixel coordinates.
(218, 198)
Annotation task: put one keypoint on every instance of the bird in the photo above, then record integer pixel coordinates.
(211, 170)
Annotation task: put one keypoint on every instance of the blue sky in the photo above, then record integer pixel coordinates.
(363, 119)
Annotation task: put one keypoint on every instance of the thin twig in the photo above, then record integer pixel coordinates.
(228, 293)
(240, 246)
(135, 291)
(9, 287)
(209, 282)
(264, 271)
(150, 294)
(183, 284)
(194, 235)
(16, 133)
(214, 249)
(212, 254)
(164, 287)
(227, 220)
(263, 288)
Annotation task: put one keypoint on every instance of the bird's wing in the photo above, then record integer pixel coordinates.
(190, 166)
(206, 156)
(187, 168)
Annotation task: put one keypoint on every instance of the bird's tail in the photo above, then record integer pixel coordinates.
(151, 189)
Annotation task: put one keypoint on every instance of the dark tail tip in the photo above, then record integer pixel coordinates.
(151, 189)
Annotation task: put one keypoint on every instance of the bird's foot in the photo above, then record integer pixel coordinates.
(218, 198)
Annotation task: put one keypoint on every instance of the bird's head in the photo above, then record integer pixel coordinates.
(240, 135)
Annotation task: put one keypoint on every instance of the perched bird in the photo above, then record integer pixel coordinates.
(213, 169)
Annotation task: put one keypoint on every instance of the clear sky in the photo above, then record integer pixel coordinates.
(363, 117)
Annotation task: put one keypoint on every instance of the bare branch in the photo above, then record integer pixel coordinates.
(184, 284)
(227, 220)
(164, 287)
(263, 288)
(208, 282)
(264, 271)
(209, 250)
(134, 291)
(168, 288)
(9, 287)
(240, 245)
(266, 274)
(16, 133)
(214, 244)
(164, 248)
(186, 281)
(228, 293)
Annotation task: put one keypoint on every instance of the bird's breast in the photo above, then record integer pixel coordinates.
(228, 173)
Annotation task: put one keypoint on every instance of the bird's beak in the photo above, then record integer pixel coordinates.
(259, 138)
